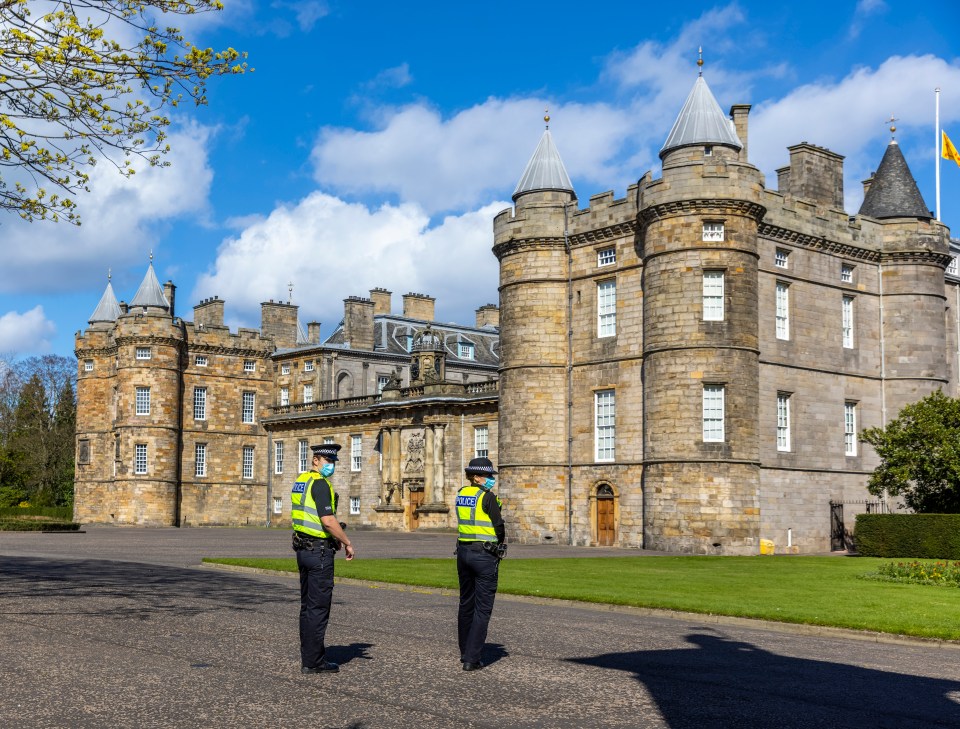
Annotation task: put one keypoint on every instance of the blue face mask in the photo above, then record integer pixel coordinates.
(490, 483)
(327, 469)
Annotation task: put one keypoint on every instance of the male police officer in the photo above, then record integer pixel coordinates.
(480, 534)
(317, 535)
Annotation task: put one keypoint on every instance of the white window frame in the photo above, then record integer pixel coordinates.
(249, 365)
(846, 321)
(713, 294)
(354, 505)
(356, 452)
(302, 456)
(327, 439)
(200, 460)
(88, 365)
(607, 256)
(607, 308)
(278, 457)
(144, 353)
(140, 459)
(284, 396)
(605, 425)
(714, 411)
(846, 271)
(247, 462)
(782, 310)
(308, 393)
(142, 400)
(382, 382)
(481, 441)
(781, 258)
(248, 410)
(713, 231)
(850, 428)
(783, 421)
(465, 350)
(285, 368)
(277, 504)
(200, 360)
(199, 403)
(308, 366)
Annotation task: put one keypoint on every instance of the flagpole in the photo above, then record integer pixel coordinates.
(936, 148)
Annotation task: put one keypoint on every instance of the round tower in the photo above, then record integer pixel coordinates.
(534, 322)
(698, 235)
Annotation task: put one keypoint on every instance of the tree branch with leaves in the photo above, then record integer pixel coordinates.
(88, 80)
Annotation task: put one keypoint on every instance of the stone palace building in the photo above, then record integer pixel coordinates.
(686, 368)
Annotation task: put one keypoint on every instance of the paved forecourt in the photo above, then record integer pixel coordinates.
(119, 628)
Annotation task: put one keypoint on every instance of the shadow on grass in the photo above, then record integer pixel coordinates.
(719, 682)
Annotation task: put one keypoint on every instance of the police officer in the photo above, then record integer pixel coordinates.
(480, 533)
(317, 535)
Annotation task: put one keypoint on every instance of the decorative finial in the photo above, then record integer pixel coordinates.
(290, 292)
(893, 126)
(151, 255)
(700, 60)
(546, 117)
(109, 275)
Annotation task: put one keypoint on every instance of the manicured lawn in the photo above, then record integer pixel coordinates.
(813, 590)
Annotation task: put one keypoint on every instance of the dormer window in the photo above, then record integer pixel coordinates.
(409, 342)
(607, 256)
(465, 350)
(713, 232)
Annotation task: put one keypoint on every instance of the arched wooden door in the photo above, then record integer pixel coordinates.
(606, 522)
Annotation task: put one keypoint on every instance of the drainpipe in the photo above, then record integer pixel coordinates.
(569, 423)
(883, 357)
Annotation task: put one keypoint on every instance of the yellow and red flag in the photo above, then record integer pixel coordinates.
(947, 150)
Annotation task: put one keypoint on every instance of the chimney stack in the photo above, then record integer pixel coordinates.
(418, 306)
(381, 301)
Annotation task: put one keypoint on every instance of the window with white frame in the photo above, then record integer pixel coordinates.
(140, 458)
(200, 360)
(284, 396)
(783, 310)
(302, 455)
(783, 421)
(144, 353)
(249, 400)
(278, 457)
(465, 350)
(356, 452)
(847, 321)
(308, 366)
(354, 505)
(382, 381)
(607, 256)
(88, 365)
(327, 439)
(200, 459)
(481, 441)
(780, 259)
(285, 368)
(713, 396)
(850, 428)
(199, 403)
(846, 272)
(277, 504)
(952, 268)
(143, 401)
(605, 425)
(713, 295)
(308, 393)
(607, 308)
(713, 232)
(248, 462)
(249, 365)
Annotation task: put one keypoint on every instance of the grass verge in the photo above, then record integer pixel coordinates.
(824, 591)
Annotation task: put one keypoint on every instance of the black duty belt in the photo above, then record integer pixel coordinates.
(474, 545)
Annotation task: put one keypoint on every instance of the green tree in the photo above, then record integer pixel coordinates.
(920, 455)
(89, 80)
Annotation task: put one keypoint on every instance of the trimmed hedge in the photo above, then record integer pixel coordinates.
(61, 513)
(920, 536)
(26, 525)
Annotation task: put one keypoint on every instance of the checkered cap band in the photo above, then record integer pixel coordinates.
(327, 450)
(480, 465)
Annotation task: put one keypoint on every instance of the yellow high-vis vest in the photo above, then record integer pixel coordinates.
(473, 523)
(303, 509)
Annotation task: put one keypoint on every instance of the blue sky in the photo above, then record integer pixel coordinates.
(375, 141)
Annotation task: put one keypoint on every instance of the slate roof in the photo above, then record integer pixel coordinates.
(545, 170)
(701, 121)
(108, 309)
(150, 292)
(893, 193)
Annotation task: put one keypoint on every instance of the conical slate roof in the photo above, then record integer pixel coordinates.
(701, 121)
(108, 309)
(301, 334)
(893, 193)
(150, 292)
(545, 170)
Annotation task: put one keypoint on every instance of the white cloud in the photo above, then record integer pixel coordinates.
(391, 78)
(29, 331)
(864, 9)
(331, 249)
(117, 215)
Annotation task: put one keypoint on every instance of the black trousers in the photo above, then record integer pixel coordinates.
(478, 572)
(316, 594)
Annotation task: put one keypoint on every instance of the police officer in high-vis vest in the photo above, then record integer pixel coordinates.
(480, 547)
(317, 535)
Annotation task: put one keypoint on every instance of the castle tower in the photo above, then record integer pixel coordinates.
(914, 252)
(698, 235)
(531, 246)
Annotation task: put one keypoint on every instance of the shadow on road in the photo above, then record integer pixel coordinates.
(720, 682)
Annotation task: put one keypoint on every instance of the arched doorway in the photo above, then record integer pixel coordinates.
(606, 516)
